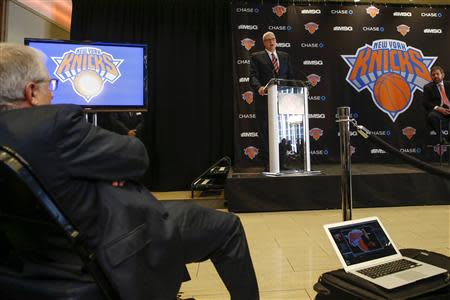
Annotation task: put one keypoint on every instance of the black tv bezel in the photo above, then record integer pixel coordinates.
(107, 108)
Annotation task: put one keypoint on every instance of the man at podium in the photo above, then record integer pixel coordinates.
(265, 65)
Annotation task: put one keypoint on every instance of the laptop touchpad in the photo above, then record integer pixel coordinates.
(410, 275)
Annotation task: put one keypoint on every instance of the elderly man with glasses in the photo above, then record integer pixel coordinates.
(142, 244)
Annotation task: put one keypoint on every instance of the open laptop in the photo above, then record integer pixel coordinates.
(366, 250)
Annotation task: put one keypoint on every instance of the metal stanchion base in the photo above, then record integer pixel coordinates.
(291, 173)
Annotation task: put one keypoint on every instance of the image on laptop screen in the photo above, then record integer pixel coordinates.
(362, 242)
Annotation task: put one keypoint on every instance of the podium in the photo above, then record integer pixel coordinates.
(288, 120)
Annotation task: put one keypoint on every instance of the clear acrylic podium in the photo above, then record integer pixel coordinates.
(288, 124)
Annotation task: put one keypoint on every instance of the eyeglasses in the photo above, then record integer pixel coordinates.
(53, 83)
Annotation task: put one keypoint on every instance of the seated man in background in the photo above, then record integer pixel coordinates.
(436, 102)
(127, 123)
(142, 244)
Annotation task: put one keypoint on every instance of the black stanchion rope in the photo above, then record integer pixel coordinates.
(365, 133)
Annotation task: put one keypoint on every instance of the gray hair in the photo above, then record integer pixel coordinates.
(18, 65)
(268, 35)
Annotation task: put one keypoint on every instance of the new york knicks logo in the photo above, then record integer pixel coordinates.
(248, 43)
(311, 27)
(409, 132)
(88, 69)
(316, 133)
(372, 11)
(391, 71)
(314, 79)
(248, 97)
(403, 29)
(279, 10)
(251, 152)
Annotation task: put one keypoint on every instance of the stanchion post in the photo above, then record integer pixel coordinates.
(343, 118)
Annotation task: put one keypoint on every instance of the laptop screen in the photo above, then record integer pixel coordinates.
(362, 242)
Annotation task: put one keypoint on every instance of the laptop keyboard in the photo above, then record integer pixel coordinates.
(388, 268)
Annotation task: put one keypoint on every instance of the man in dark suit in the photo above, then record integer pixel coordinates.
(127, 123)
(436, 101)
(142, 245)
(265, 65)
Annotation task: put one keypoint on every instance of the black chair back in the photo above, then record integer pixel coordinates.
(34, 231)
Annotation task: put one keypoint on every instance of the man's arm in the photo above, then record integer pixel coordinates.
(118, 125)
(254, 73)
(426, 98)
(94, 153)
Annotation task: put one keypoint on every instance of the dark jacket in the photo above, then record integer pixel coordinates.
(129, 230)
(261, 68)
(432, 97)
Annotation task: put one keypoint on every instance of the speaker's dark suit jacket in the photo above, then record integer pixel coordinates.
(261, 68)
(126, 226)
(432, 97)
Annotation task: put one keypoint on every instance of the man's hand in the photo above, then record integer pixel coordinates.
(261, 91)
(132, 132)
(118, 183)
(444, 111)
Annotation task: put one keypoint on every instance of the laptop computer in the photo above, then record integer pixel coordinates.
(366, 250)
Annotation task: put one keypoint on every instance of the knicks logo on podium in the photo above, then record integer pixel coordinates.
(88, 69)
(391, 71)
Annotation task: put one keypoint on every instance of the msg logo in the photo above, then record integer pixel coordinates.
(87, 69)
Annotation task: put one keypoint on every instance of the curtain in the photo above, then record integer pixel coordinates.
(189, 124)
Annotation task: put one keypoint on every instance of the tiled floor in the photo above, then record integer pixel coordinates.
(290, 249)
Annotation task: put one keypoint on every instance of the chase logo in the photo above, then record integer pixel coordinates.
(431, 15)
(375, 28)
(312, 45)
(403, 29)
(251, 152)
(409, 132)
(247, 43)
(320, 152)
(280, 27)
(248, 97)
(317, 98)
(316, 133)
(88, 69)
(311, 27)
(279, 10)
(372, 11)
(391, 71)
(411, 150)
(247, 10)
(342, 12)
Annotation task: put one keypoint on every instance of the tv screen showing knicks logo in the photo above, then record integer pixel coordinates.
(87, 69)
(391, 71)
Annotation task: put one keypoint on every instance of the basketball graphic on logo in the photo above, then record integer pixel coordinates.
(392, 92)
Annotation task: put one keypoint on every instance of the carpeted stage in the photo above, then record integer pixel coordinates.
(374, 185)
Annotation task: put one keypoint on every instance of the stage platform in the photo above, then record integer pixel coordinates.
(374, 185)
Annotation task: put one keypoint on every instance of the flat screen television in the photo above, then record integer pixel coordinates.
(98, 76)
